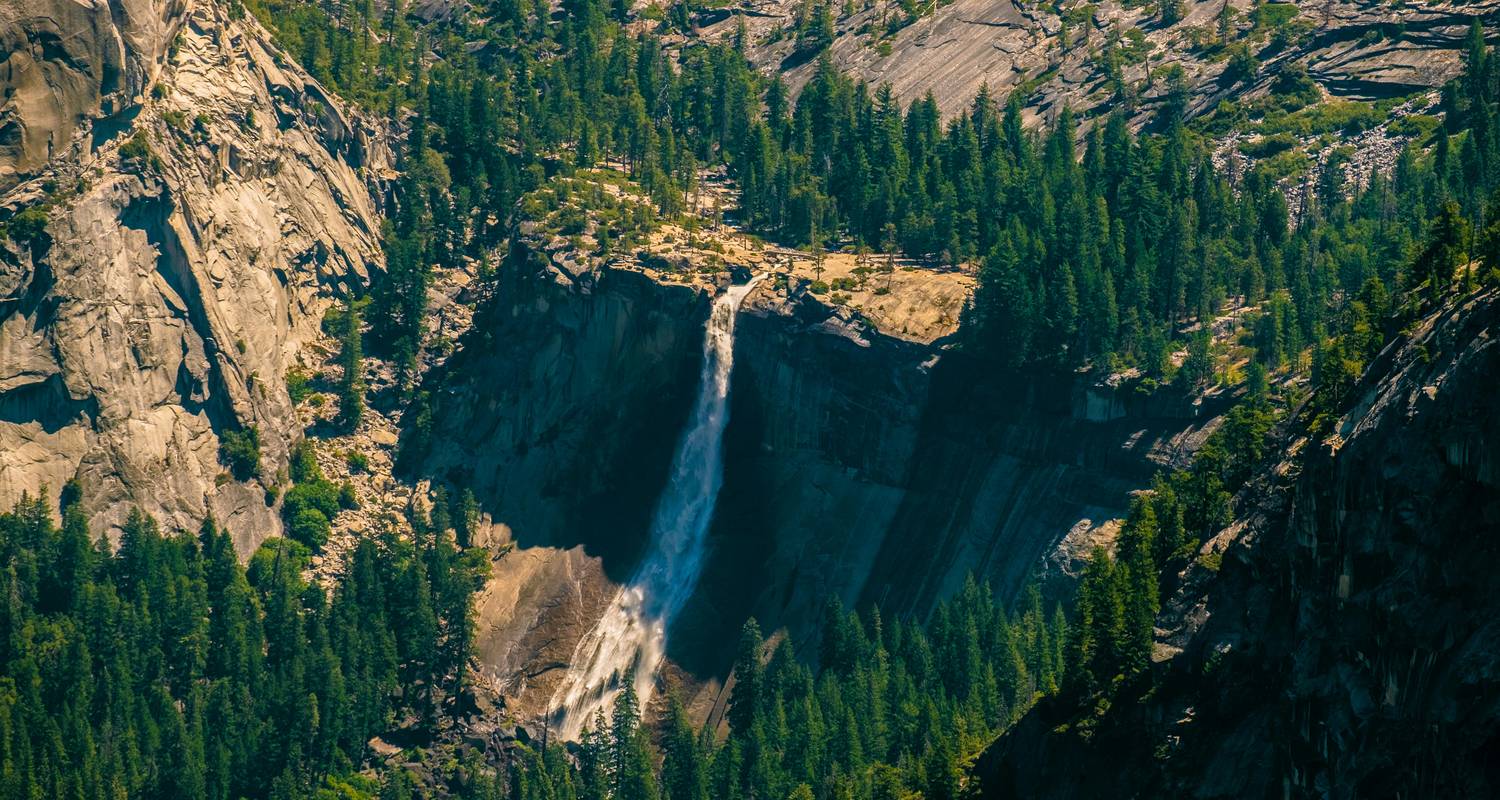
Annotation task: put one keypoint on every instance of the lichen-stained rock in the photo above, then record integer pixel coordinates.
(171, 289)
(63, 62)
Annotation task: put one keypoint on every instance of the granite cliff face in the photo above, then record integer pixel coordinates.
(1353, 48)
(857, 464)
(1347, 646)
(66, 63)
(193, 238)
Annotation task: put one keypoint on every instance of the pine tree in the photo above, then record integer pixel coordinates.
(351, 359)
(745, 700)
(682, 772)
(1137, 557)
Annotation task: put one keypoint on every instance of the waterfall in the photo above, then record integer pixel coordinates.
(632, 632)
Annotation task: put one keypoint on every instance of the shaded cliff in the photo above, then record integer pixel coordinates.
(1347, 646)
(188, 251)
(857, 464)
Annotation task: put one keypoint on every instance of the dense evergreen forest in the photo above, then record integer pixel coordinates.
(1103, 249)
(162, 667)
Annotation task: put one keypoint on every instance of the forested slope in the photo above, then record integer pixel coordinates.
(1237, 255)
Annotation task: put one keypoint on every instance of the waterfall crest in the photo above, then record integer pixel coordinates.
(633, 630)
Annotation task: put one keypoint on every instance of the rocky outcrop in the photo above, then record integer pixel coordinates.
(1354, 48)
(63, 63)
(1346, 648)
(189, 251)
(857, 464)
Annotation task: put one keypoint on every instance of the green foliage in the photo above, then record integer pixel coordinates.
(351, 358)
(137, 147)
(240, 451)
(165, 669)
(298, 385)
(1419, 126)
(1273, 15)
(1242, 64)
(313, 501)
(1445, 252)
(307, 525)
(27, 226)
(1266, 146)
(1330, 116)
(1116, 602)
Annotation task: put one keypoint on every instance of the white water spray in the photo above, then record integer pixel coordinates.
(632, 632)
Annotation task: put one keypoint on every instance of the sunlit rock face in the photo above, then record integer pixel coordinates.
(171, 288)
(64, 62)
(960, 47)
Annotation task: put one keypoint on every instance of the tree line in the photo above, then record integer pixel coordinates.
(164, 668)
(892, 711)
(1107, 247)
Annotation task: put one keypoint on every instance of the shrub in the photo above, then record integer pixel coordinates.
(27, 226)
(322, 497)
(274, 554)
(1332, 116)
(1274, 15)
(310, 527)
(333, 320)
(1419, 126)
(304, 464)
(298, 385)
(240, 451)
(1267, 146)
(1294, 88)
(136, 147)
(358, 462)
(1242, 64)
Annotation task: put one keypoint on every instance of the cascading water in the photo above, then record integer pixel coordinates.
(633, 630)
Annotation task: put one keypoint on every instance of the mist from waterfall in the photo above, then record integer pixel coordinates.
(632, 632)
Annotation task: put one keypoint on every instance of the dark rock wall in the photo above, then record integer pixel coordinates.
(1348, 646)
(563, 407)
(856, 464)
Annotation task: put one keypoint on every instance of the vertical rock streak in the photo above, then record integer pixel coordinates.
(632, 632)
